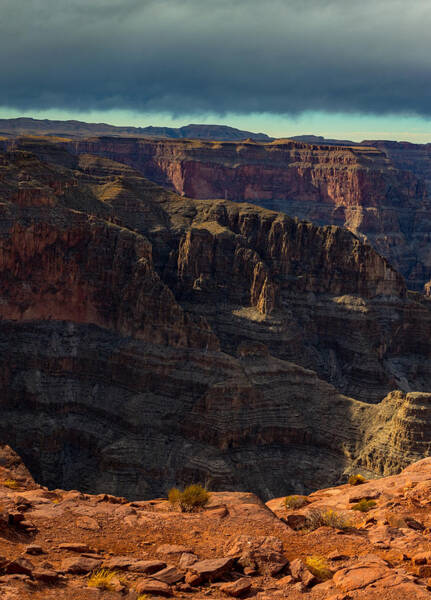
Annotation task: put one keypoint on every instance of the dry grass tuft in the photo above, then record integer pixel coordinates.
(191, 499)
(318, 565)
(294, 502)
(357, 479)
(102, 579)
(11, 484)
(326, 518)
(364, 505)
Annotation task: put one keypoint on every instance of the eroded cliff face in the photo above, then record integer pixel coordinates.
(407, 156)
(150, 339)
(376, 197)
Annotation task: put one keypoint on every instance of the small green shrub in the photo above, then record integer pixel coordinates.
(294, 502)
(191, 499)
(357, 479)
(326, 518)
(364, 505)
(318, 565)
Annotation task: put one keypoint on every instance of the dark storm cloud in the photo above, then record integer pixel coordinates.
(186, 56)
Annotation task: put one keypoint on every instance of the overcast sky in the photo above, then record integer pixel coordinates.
(341, 67)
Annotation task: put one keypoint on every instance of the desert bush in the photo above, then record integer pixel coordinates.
(318, 565)
(102, 579)
(192, 498)
(357, 479)
(364, 505)
(11, 483)
(295, 502)
(326, 518)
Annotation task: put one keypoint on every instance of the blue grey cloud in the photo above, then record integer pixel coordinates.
(197, 56)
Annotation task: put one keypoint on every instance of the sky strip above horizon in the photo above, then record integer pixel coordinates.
(336, 68)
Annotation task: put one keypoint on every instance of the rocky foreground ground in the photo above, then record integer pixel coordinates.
(52, 541)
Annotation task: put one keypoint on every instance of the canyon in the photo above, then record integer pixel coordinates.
(360, 188)
(150, 339)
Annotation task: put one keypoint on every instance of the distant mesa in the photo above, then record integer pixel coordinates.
(77, 129)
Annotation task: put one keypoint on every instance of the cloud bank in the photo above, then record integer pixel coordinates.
(219, 56)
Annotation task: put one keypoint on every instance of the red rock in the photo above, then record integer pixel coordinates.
(88, 523)
(118, 562)
(184, 587)
(34, 549)
(359, 576)
(80, 565)
(237, 588)
(74, 547)
(287, 580)
(212, 568)
(19, 566)
(46, 575)
(296, 521)
(421, 558)
(187, 559)
(217, 511)
(152, 586)
(169, 575)
(266, 552)
(193, 579)
(361, 492)
(300, 571)
(414, 524)
(14, 577)
(147, 566)
(172, 549)
(424, 571)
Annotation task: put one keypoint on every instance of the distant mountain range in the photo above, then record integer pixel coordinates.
(28, 126)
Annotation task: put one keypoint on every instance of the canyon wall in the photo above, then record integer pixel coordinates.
(354, 187)
(149, 340)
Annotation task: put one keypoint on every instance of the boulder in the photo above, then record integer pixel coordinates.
(300, 572)
(153, 587)
(263, 552)
(46, 575)
(187, 559)
(34, 549)
(169, 575)
(147, 566)
(212, 568)
(20, 566)
(80, 565)
(296, 521)
(237, 588)
(74, 547)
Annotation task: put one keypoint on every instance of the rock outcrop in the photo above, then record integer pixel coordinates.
(150, 339)
(354, 187)
(235, 546)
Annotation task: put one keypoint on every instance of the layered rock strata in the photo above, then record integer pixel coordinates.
(355, 187)
(150, 339)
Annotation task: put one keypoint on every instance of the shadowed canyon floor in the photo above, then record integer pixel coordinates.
(150, 339)
(52, 541)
